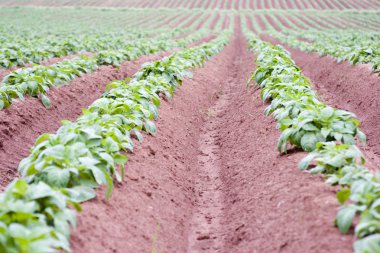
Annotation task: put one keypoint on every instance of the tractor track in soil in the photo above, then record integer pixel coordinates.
(212, 180)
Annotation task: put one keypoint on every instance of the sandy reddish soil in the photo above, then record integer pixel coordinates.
(214, 21)
(283, 21)
(208, 3)
(194, 19)
(317, 21)
(212, 180)
(305, 20)
(248, 21)
(297, 4)
(226, 21)
(272, 22)
(201, 23)
(282, 4)
(297, 24)
(258, 19)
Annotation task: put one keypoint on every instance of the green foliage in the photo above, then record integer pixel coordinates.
(37, 81)
(328, 134)
(344, 45)
(65, 168)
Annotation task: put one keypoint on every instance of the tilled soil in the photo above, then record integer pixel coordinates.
(212, 179)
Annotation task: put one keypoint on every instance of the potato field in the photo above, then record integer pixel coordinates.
(229, 126)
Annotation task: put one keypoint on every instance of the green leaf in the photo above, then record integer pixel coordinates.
(139, 136)
(309, 141)
(58, 177)
(81, 194)
(369, 244)
(304, 163)
(343, 194)
(45, 101)
(327, 112)
(150, 127)
(19, 231)
(361, 136)
(344, 218)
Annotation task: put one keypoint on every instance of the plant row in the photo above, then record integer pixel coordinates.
(328, 134)
(36, 81)
(63, 169)
(37, 50)
(353, 46)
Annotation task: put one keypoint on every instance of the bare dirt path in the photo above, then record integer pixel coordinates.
(212, 179)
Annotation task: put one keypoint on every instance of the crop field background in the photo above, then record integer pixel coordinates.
(246, 126)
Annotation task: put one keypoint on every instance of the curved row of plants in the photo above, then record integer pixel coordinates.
(63, 169)
(327, 133)
(36, 81)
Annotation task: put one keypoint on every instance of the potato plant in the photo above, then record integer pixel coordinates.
(328, 134)
(64, 168)
(37, 81)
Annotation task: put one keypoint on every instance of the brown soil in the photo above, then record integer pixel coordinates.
(304, 20)
(189, 23)
(317, 21)
(214, 21)
(236, 5)
(200, 25)
(212, 180)
(297, 5)
(266, 4)
(347, 87)
(314, 5)
(283, 4)
(344, 4)
(259, 20)
(208, 3)
(248, 20)
(259, 4)
(297, 24)
(226, 21)
(272, 22)
(283, 21)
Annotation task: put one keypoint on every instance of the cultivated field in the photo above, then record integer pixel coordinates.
(190, 126)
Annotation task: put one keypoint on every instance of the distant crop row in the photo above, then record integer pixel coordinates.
(36, 81)
(216, 4)
(353, 46)
(328, 134)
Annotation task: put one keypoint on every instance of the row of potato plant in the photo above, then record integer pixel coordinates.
(64, 169)
(327, 133)
(20, 53)
(344, 45)
(36, 81)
